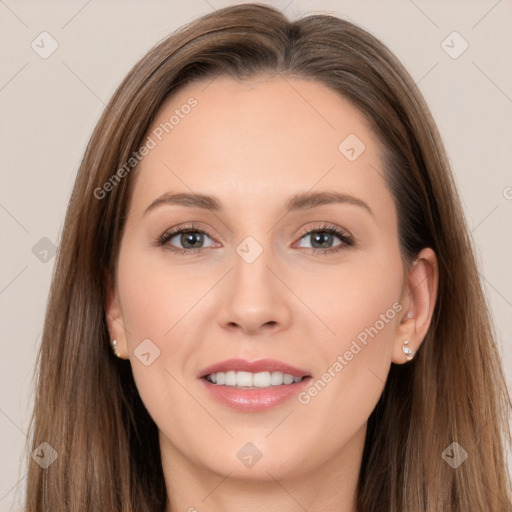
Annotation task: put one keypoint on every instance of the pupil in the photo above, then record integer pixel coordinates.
(187, 238)
(321, 238)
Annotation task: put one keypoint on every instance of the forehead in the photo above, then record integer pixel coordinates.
(269, 136)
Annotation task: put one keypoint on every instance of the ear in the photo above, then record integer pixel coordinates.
(419, 299)
(115, 321)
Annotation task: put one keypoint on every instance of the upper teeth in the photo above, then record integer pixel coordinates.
(248, 379)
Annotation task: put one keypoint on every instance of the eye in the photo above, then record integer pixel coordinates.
(190, 239)
(184, 239)
(323, 237)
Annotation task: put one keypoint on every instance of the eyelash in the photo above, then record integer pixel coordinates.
(345, 238)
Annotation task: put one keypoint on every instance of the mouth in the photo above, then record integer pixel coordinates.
(253, 386)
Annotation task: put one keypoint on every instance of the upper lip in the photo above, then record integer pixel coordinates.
(261, 365)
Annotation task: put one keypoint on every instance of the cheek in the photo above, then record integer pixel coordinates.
(161, 315)
(361, 306)
(360, 296)
(155, 306)
(154, 297)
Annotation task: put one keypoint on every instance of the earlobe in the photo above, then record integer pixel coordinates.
(420, 293)
(115, 321)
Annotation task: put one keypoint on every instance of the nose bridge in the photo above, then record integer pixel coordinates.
(255, 297)
(251, 264)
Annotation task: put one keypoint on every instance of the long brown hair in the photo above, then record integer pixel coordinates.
(87, 406)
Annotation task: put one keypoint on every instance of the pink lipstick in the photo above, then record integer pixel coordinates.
(253, 386)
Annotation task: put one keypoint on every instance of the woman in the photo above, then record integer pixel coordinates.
(265, 229)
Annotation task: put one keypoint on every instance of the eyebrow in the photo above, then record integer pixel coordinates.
(296, 202)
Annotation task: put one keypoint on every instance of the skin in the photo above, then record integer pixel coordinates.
(253, 145)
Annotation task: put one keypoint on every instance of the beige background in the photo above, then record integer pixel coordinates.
(50, 106)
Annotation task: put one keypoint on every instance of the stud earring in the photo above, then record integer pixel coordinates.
(114, 349)
(407, 351)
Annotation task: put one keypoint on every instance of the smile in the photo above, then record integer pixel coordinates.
(248, 380)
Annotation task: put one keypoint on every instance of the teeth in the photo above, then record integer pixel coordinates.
(287, 378)
(277, 378)
(230, 379)
(252, 380)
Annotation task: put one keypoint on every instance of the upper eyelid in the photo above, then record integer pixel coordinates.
(324, 227)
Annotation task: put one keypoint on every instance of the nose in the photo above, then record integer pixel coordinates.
(255, 300)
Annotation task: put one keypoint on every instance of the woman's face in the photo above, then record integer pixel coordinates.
(258, 277)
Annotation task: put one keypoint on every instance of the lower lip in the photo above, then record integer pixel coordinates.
(254, 400)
